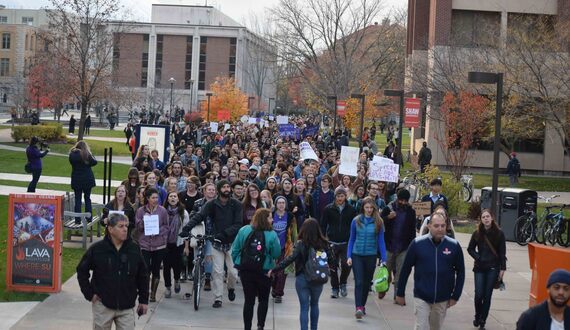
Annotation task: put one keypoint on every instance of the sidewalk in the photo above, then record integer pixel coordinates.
(49, 179)
(69, 310)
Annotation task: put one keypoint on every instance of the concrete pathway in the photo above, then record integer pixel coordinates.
(49, 179)
(69, 310)
(12, 312)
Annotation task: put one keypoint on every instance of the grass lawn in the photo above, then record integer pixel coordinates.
(70, 257)
(97, 147)
(117, 133)
(538, 183)
(13, 162)
(51, 186)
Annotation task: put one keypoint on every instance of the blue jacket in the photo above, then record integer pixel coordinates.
(364, 241)
(35, 156)
(439, 272)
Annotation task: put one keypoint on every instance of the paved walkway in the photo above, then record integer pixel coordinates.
(69, 310)
(49, 179)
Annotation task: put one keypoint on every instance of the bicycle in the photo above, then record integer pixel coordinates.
(555, 230)
(526, 228)
(198, 272)
(416, 185)
(467, 187)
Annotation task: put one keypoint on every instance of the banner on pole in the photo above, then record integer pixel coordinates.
(349, 160)
(341, 108)
(412, 116)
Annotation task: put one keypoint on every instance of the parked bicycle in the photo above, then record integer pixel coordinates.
(468, 187)
(199, 260)
(555, 230)
(416, 184)
(527, 226)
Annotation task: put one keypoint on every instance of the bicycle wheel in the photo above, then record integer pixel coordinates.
(548, 233)
(524, 230)
(466, 193)
(197, 285)
(539, 236)
(563, 234)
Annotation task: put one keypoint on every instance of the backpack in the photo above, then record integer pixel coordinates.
(516, 167)
(316, 268)
(253, 252)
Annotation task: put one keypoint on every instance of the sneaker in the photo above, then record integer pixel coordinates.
(364, 310)
(231, 294)
(217, 304)
(334, 293)
(176, 286)
(183, 277)
(359, 313)
(343, 292)
(476, 322)
(278, 299)
(207, 285)
(167, 293)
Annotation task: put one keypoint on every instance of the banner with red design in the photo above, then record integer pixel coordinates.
(223, 115)
(412, 117)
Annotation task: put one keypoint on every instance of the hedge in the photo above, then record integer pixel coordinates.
(49, 132)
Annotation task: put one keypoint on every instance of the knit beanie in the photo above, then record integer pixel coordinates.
(558, 276)
(340, 190)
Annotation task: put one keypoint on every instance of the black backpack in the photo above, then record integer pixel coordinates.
(316, 268)
(253, 252)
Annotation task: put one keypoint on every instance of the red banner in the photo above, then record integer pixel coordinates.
(223, 115)
(412, 108)
(340, 108)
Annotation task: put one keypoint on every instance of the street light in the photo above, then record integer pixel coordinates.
(191, 81)
(362, 98)
(333, 97)
(399, 93)
(493, 78)
(209, 95)
(172, 81)
(269, 105)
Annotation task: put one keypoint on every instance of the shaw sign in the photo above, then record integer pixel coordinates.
(412, 107)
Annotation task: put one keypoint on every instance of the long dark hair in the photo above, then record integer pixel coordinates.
(493, 232)
(312, 236)
(180, 206)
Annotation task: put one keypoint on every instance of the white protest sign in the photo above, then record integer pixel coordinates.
(271, 118)
(384, 171)
(383, 160)
(151, 225)
(252, 121)
(116, 212)
(227, 127)
(306, 152)
(244, 118)
(282, 120)
(213, 127)
(348, 160)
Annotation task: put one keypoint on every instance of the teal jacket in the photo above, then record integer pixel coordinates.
(272, 247)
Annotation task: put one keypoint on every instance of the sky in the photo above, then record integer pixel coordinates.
(239, 10)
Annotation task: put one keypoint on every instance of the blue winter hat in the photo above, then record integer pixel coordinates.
(559, 276)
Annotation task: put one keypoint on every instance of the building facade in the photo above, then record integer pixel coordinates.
(438, 31)
(185, 48)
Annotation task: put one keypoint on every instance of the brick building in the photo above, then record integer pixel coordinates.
(193, 45)
(438, 28)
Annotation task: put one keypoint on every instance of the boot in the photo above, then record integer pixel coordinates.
(153, 287)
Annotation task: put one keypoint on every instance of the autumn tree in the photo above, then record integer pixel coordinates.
(226, 96)
(462, 119)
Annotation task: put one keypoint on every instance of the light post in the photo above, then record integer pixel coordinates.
(172, 81)
(191, 81)
(399, 93)
(249, 103)
(493, 78)
(333, 97)
(209, 95)
(362, 98)
(269, 105)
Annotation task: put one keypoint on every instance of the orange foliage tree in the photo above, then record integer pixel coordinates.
(463, 117)
(226, 96)
(353, 108)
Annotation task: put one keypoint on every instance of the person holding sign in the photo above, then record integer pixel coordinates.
(152, 228)
(114, 297)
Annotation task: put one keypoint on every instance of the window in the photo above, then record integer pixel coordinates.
(27, 20)
(188, 66)
(4, 67)
(144, 64)
(202, 72)
(5, 40)
(475, 28)
(530, 29)
(158, 69)
(232, 59)
(3, 19)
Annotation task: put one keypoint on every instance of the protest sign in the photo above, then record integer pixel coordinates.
(287, 130)
(151, 224)
(306, 152)
(310, 130)
(384, 171)
(281, 120)
(223, 115)
(252, 120)
(271, 118)
(348, 160)
(244, 118)
(227, 127)
(155, 137)
(214, 127)
(422, 208)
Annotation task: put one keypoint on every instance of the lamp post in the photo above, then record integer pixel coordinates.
(249, 103)
(191, 81)
(269, 105)
(362, 98)
(493, 78)
(209, 95)
(399, 93)
(333, 97)
(172, 81)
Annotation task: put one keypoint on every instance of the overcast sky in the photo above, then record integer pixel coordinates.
(236, 9)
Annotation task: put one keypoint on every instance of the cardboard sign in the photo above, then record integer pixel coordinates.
(349, 160)
(282, 120)
(214, 127)
(223, 115)
(252, 121)
(227, 127)
(422, 208)
(412, 117)
(384, 171)
(34, 243)
(156, 137)
(306, 152)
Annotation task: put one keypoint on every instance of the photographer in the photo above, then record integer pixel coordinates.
(35, 155)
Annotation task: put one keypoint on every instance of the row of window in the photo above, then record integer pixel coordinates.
(25, 20)
(158, 68)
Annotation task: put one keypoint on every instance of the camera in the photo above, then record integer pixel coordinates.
(44, 145)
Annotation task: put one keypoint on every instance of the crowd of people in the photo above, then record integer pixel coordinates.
(248, 186)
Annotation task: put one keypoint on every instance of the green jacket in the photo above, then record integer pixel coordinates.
(272, 247)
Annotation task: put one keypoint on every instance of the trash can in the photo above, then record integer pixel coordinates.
(543, 260)
(513, 204)
(487, 197)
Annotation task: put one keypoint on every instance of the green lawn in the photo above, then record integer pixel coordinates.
(51, 186)
(117, 133)
(70, 257)
(97, 147)
(13, 162)
(538, 183)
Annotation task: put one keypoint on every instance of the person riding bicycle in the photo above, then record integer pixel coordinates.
(226, 216)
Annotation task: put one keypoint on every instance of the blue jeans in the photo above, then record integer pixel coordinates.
(484, 283)
(308, 297)
(36, 173)
(363, 269)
